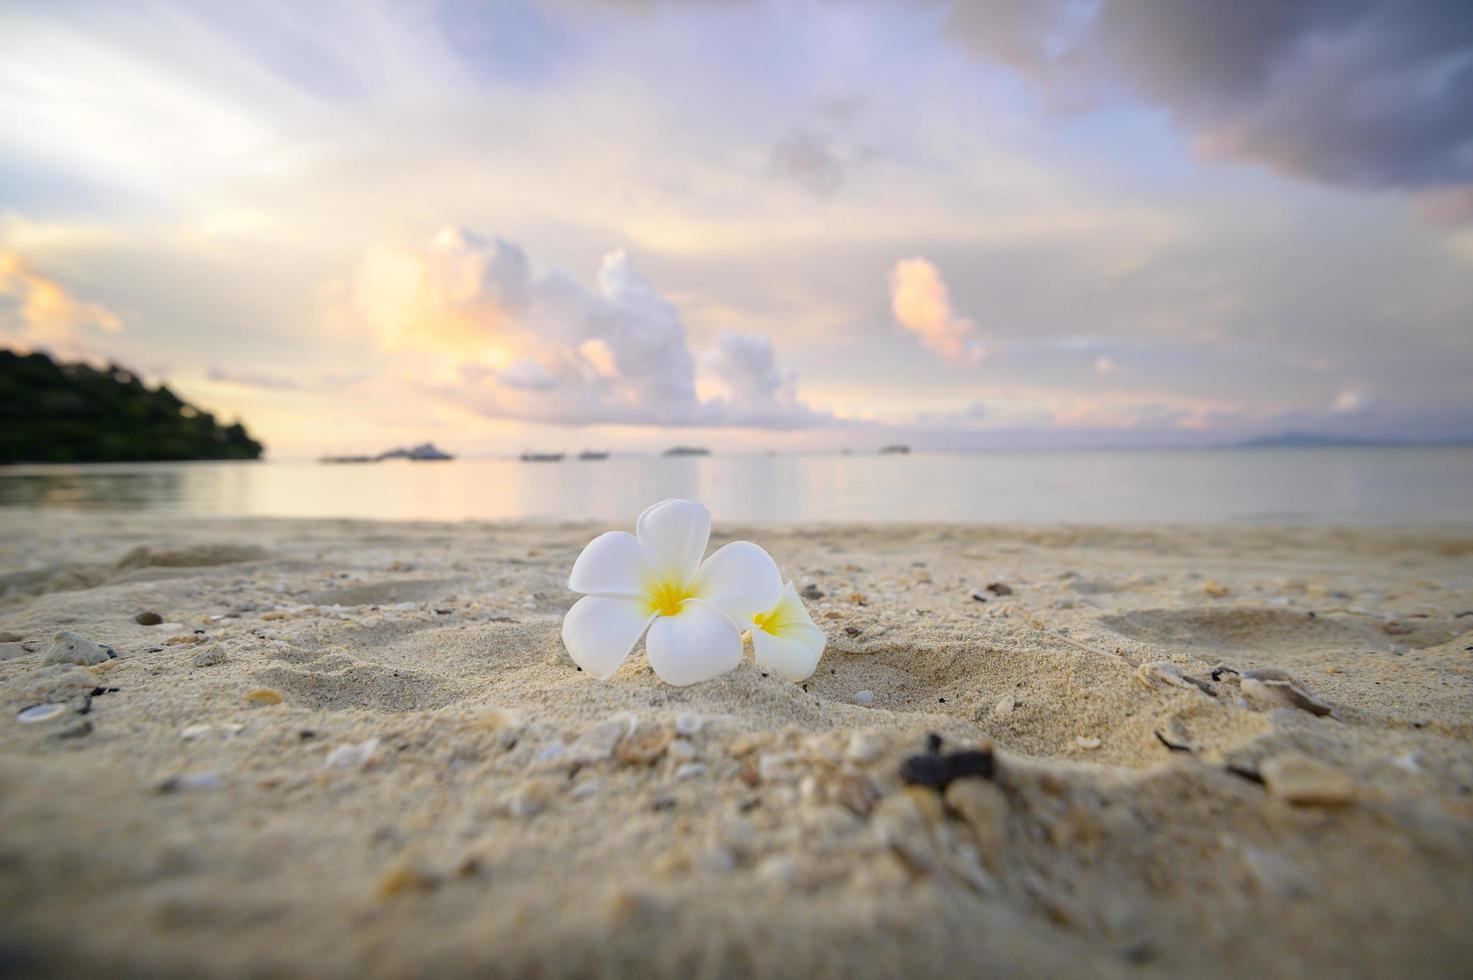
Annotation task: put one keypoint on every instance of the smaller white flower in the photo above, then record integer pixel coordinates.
(785, 638)
(654, 579)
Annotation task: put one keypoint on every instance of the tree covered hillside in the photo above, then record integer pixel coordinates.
(72, 413)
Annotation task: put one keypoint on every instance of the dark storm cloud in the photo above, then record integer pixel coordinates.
(1361, 93)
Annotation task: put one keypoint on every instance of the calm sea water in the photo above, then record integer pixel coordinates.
(1220, 486)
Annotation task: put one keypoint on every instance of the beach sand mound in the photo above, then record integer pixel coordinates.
(360, 749)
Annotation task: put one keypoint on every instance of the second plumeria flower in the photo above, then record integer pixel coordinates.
(654, 579)
(786, 639)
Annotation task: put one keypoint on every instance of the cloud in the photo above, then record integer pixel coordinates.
(37, 313)
(922, 305)
(1104, 364)
(1351, 401)
(251, 379)
(544, 348)
(818, 153)
(1356, 93)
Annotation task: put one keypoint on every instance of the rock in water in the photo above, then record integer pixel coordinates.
(74, 648)
(1306, 781)
(1274, 688)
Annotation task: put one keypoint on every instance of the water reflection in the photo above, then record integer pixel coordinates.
(1376, 485)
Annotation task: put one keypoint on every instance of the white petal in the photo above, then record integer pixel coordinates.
(739, 580)
(673, 534)
(794, 655)
(612, 564)
(696, 645)
(599, 631)
(790, 610)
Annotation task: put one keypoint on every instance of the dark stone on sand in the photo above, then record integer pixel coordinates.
(148, 619)
(811, 591)
(1000, 588)
(938, 770)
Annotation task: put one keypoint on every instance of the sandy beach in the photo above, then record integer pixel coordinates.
(359, 749)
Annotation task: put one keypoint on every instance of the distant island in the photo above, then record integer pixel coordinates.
(424, 452)
(899, 449)
(687, 451)
(1313, 440)
(57, 412)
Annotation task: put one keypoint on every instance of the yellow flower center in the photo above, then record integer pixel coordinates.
(666, 598)
(766, 621)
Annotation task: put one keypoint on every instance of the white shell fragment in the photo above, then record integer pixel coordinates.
(350, 756)
(1273, 688)
(39, 712)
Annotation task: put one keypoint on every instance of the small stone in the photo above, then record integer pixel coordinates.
(1395, 627)
(529, 799)
(1305, 781)
(192, 732)
(1214, 589)
(39, 712)
(1273, 688)
(979, 595)
(777, 868)
(1004, 706)
(984, 806)
(351, 755)
(864, 747)
(922, 576)
(148, 619)
(864, 697)
(208, 779)
(74, 648)
(856, 793)
(1088, 743)
(598, 743)
(406, 879)
(811, 591)
(210, 656)
(690, 770)
(263, 695)
(644, 747)
(853, 631)
(585, 789)
(858, 598)
(688, 725)
(999, 588)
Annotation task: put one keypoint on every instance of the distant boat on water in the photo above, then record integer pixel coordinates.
(687, 451)
(898, 449)
(347, 459)
(591, 454)
(530, 457)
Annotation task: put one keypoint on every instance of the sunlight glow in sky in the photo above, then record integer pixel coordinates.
(786, 224)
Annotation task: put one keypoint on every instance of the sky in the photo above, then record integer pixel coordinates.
(787, 225)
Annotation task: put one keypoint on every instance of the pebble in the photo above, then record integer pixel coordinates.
(1000, 588)
(984, 806)
(811, 591)
(644, 747)
(148, 619)
(211, 656)
(599, 742)
(690, 770)
(406, 879)
(856, 793)
(1088, 743)
(864, 747)
(585, 789)
(1305, 781)
(1274, 688)
(864, 697)
(192, 732)
(1395, 627)
(208, 779)
(979, 595)
(529, 799)
(39, 712)
(263, 695)
(688, 725)
(352, 755)
(1214, 589)
(74, 648)
(777, 868)
(1004, 706)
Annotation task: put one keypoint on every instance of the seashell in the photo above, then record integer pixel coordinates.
(39, 712)
(1275, 688)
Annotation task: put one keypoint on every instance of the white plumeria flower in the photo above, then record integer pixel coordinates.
(786, 639)
(654, 579)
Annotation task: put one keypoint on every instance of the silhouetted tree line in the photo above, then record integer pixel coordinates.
(54, 412)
